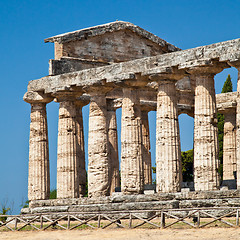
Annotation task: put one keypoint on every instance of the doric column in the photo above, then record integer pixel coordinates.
(98, 158)
(114, 177)
(131, 140)
(38, 175)
(206, 162)
(68, 148)
(229, 145)
(237, 65)
(82, 174)
(146, 155)
(168, 150)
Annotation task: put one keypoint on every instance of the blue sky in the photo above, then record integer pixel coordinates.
(24, 57)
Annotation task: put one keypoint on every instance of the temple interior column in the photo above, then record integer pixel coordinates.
(168, 150)
(67, 162)
(114, 176)
(237, 65)
(146, 155)
(82, 174)
(229, 145)
(131, 141)
(98, 158)
(206, 162)
(38, 176)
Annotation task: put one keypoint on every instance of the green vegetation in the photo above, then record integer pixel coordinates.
(187, 165)
(53, 194)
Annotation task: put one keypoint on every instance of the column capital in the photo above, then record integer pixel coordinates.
(169, 74)
(37, 97)
(147, 106)
(206, 71)
(66, 96)
(82, 101)
(113, 104)
(235, 64)
(97, 90)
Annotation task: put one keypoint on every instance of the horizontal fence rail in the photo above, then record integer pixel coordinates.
(192, 217)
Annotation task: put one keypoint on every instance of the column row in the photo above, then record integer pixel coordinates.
(103, 163)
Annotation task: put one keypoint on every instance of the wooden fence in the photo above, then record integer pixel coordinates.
(192, 217)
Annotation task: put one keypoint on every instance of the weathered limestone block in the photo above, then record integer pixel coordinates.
(131, 140)
(98, 158)
(168, 150)
(38, 176)
(82, 174)
(229, 146)
(146, 155)
(114, 176)
(206, 162)
(68, 148)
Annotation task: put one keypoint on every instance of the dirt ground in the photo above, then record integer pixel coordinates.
(120, 234)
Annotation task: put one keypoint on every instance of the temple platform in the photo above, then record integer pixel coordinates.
(126, 203)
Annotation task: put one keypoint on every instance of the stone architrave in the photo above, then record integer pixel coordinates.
(131, 141)
(114, 175)
(98, 158)
(229, 145)
(168, 149)
(38, 176)
(206, 162)
(68, 148)
(82, 174)
(146, 155)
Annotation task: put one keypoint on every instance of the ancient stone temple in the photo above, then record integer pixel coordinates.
(120, 65)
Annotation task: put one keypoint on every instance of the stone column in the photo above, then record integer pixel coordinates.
(146, 155)
(168, 150)
(68, 148)
(206, 162)
(82, 174)
(38, 175)
(98, 159)
(229, 145)
(237, 65)
(114, 177)
(131, 140)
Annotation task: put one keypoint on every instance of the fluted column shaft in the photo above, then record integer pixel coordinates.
(38, 176)
(146, 155)
(98, 159)
(238, 129)
(114, 177)
(82, 174)
(229, 146)
(168, 150)
(131, 141)
(206, 162)
(67, 164)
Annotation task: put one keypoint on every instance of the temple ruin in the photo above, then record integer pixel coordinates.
(120, 65)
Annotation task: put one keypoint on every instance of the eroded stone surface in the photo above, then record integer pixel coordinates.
(168, 150)
(98, 157)
(38, 175)
(229, 146)
(82, 174)
(67, 162)
(114, 175)
(206, 162)
(131, 137)
(146, 155)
